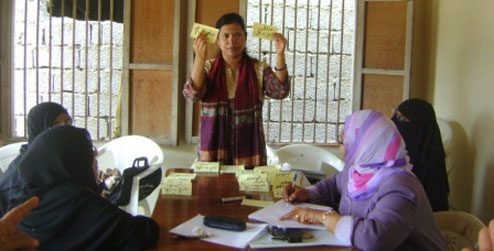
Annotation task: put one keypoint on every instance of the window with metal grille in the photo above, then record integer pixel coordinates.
(69, 52)
(319, 57)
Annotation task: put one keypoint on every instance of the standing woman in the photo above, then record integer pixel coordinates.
(231, 88)
(416, 121)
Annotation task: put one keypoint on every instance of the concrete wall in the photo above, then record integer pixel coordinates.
(330, 34)
(459, 75)
(44, 47)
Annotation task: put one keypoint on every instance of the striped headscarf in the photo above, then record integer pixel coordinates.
(375, 150)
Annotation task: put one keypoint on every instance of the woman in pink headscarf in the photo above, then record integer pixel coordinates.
(381, 204)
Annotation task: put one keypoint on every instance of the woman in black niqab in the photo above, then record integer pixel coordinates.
(416, 121)
(71, 215)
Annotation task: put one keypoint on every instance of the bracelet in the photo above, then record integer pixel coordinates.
(330, 211)
(280, 69)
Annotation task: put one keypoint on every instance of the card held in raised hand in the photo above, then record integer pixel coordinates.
(206, 167)
(211, 33)
(265, 31)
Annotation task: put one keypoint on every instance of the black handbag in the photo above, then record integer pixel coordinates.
(120, 196)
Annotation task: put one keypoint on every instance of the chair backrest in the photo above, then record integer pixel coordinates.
(460, 229)
(446, 133)
(8, 153)
(309, 158)
(120, 153)
(272, 157)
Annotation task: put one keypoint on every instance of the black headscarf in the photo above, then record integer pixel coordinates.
(40, 118)
(71, 216)
(424, 145)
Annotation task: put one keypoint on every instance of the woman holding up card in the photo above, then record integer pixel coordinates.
(231, 88)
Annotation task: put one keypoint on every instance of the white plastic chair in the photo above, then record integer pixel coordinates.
(272, 157)
(8, 153)
(460, 229)
(313, 161)
(120, 153)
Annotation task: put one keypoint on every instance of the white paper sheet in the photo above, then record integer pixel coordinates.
(219, 236)
(319, 238)
(272, 213)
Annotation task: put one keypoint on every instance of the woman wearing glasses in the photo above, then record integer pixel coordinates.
(381, 204)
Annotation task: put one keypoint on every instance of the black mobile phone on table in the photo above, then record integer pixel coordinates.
(226, 223)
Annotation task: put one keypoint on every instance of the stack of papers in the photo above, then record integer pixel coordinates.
(219, 236)
(272, 213)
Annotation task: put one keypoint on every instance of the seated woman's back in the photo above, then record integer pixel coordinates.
(59, 168)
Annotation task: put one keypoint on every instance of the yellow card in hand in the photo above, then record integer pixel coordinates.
(211, 33)
(264, 31)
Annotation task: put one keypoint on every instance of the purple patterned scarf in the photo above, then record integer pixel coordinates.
(216, 134)
(375, 151)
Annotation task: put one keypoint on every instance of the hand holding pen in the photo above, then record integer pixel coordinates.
(295, 194)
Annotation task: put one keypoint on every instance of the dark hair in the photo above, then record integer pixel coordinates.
(231, 18)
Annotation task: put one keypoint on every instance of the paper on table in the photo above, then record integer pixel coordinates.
(256, 203)
(182, 176)
(206, 167)
(320, 237)
(271, 215)
(231, 168)
(218, 236)
(171, 186)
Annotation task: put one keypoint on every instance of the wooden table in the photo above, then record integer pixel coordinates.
(207, 191)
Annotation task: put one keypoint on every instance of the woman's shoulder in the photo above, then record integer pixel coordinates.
(404, 183)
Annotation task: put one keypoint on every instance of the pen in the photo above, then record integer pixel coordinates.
(293, 183)
(232, 199)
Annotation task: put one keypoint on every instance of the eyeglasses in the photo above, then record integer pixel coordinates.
(340, 139)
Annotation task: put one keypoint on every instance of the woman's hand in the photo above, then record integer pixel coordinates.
(200, 46)
(10, 238)
(296, 196)
(304, 215)
(279, 43)
(486, 238)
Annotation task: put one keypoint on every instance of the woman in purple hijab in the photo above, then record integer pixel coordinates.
(381, 204)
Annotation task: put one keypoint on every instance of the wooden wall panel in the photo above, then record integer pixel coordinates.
(152, 31)
(382, 92)
(385, 35)
(151, 99)
(208, 12)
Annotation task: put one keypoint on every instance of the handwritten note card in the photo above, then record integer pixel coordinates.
(280, 180)
(211, 33)
(264, 31)
(254, 182)
(172, 186)
(182, 176)
(231, 168)
(206, 167)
